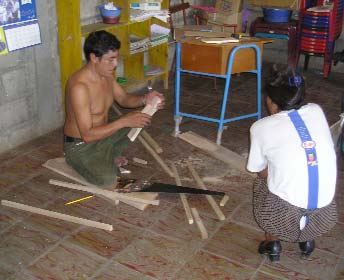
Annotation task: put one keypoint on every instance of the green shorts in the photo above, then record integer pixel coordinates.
(96, 161)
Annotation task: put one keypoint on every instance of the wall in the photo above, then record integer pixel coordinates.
(30, 90)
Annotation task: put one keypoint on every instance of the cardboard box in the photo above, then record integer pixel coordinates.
(283, 4)
(228, 6)
(219, 19)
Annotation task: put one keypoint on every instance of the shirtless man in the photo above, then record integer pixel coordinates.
(92, 142)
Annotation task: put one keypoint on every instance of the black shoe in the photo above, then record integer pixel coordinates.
(307, 247)
(271, 248)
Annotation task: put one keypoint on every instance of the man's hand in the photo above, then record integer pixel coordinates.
(149, 98)
(136, 119)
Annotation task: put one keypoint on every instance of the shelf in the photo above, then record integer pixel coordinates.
(72, 34)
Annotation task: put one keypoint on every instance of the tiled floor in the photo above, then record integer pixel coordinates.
(158, 243)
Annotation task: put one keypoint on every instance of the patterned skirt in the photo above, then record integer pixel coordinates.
(282, 219)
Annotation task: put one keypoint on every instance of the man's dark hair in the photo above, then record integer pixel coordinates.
(287, 90)
(99, 43)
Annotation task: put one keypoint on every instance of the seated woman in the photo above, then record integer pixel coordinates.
(293, 153)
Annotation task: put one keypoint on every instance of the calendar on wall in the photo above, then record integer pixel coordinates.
(19, 27)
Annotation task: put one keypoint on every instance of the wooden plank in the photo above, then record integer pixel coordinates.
(210, 199)
(143, 134)
(219, 152)
(199, 223)
(182, 195)
(149, 109)
(110, 194)
(56, 215)
(60, 166)
(156, 156)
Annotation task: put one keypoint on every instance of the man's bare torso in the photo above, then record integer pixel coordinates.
(99, 99)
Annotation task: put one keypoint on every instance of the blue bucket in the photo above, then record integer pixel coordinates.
(276, 15)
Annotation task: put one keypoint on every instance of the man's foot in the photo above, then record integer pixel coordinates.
(272, 249)
(121, 161)
(306, 247)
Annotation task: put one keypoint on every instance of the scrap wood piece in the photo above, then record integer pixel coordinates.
(149, 109)
(219, 152)
(156, 156)
(143, 134)
(182, 195)
(199, 223)
(56, 215)
(210, 199)
(139, 160)
(110, 194)
(60, 166)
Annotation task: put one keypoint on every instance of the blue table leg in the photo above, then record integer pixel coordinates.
(177, 116)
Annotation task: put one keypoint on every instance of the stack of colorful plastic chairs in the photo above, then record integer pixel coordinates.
(318, 31)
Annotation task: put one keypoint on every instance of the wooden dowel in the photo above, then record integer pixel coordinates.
(156, 156)
(110, 194)
(210, 199)
(57, 215)
(182, 195)
(199, 223)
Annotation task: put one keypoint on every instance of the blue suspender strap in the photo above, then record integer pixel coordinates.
(309, 146)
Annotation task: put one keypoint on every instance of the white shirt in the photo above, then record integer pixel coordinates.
(276, 144)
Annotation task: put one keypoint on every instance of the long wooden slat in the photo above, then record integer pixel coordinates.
(182, 195)
(151, 142)
(210, 199)
(156, 156)
(199, 223)
(56, 215)
(110, 194)
(219, 152)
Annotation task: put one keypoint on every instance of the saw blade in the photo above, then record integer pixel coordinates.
(167, 188)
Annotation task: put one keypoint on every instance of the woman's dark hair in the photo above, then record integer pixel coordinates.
(287, 90)
(99, 43)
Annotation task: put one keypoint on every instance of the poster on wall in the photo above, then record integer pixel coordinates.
(19, 26)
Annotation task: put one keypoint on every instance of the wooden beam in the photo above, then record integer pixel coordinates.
(199, 223)
(56, 215)
(143, 134)
(110, 194)
(219, 152)
(149, 109)
(210, 199)
(182, 195)
(156, 156)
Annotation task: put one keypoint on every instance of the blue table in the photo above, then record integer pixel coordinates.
(191, 57)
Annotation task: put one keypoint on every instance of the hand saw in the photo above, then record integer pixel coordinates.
(132, 185)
